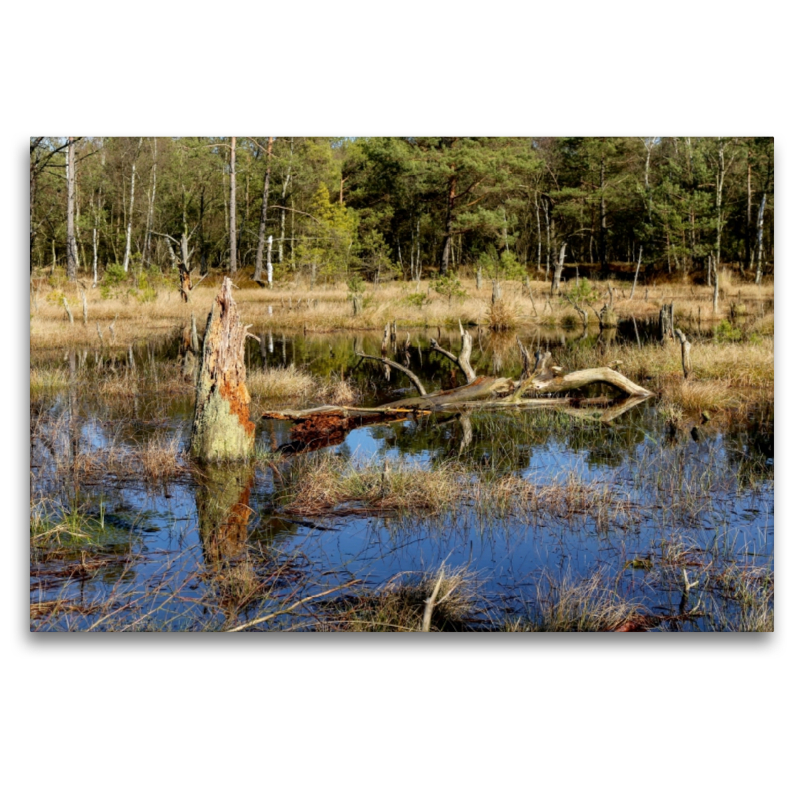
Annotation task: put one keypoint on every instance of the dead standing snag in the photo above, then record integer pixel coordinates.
(222, 428)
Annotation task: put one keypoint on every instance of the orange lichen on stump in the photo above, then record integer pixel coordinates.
(222, 428)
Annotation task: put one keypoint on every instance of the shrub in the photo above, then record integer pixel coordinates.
(417, 299)
(726, 332)
(449, 286)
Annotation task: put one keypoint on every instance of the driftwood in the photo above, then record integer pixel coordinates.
(328, 424)
(463, 359)
(394, 365)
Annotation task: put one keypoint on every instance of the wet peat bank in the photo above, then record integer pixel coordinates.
(660, 518)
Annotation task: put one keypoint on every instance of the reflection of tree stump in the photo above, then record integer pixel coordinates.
(189, 350)
(222, 428)
(223, 512)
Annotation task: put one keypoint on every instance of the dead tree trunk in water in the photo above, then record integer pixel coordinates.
(326, 425)
(222, 428)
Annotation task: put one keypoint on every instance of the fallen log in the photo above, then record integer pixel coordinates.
(328, 424)
(545, 384)
(345, 412)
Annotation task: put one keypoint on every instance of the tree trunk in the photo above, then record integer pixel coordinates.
(222, 428)
(72, 245)
(94, 256)
(283, 201)
(638, 263)
(715, 272)
(327, 425)
(760, 238)
(262, 223)
(685, 347)
(151, 203)
(557, 269)
(748, 245)
(232, 225)
(538, 240)
(603, 218)
(126, 258)
(448, 226)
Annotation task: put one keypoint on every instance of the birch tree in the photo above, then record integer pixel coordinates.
(126, 259)
(72, 245)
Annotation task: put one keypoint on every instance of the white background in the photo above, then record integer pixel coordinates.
(374, 716)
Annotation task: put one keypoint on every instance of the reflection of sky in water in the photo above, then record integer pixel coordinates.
(510, 555)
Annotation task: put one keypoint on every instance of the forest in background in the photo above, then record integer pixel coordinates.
(329, 209)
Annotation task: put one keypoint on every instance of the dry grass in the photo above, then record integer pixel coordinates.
(745, 601)
(160, 459)
(48, 379)
(710, 395)
(568, 606)
(399, 605)
(724, 377)
(504, 315)
(327, 485)
(292, 382)
(562, 497)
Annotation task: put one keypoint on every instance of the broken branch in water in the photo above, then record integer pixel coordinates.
(327, 425)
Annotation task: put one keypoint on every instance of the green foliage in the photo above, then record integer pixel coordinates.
(379, 204)
(145, 292)
(504, 266)
(356, 285)
(581, 292)
(726, 332)
(327, 252)
(417, 299)
(510, 268)
(114, 275)
(449, 286)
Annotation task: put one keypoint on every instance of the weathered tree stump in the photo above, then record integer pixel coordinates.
(666, 322)
(222, 429)
(685, 358)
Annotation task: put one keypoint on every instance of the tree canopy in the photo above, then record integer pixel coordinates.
(383, 206)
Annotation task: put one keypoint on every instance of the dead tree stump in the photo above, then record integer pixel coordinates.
(686, 346)
(222, 429)
(666, 322)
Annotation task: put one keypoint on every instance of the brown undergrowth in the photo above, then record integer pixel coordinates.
(324, 308)
(325, 485)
